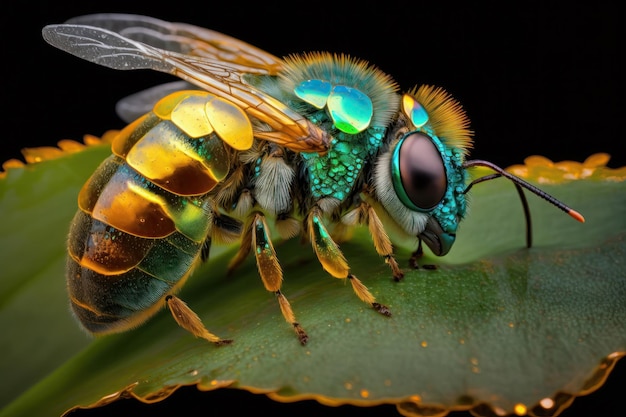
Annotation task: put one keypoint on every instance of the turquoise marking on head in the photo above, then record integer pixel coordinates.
(314, 92)
(452, 207)
(446, 240)
(415, 111)
(350, 109)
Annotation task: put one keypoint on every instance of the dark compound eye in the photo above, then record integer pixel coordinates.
(422, 172)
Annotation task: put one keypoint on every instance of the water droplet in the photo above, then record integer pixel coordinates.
(520, 409)
(547, 403)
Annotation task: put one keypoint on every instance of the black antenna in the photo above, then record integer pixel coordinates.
(519, 183)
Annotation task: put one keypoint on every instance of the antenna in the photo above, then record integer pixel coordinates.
(519, 183)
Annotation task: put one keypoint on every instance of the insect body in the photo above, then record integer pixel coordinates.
(145, 215)
(316, 144)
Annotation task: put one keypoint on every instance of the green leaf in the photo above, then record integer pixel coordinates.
(495, 327)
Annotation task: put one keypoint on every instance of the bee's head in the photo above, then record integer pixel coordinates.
(421, 180)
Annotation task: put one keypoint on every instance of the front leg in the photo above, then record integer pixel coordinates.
(382, 243)
(364, 214)
(415, 256)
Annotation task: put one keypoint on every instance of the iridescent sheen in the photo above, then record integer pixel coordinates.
(452, 207)
(414, 110)
(198, 114)
(190, 116)
(335, 174)
(167, 157)
(312, 141)
(230, 122)
(350, 109)
(307, 141)
(145, 214)
(396, 178)
(314, 92)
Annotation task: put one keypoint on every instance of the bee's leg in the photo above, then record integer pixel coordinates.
(415, 256)
(364, 213)
(381, 242)
(271, 272)
(333, 261)
(188, 320)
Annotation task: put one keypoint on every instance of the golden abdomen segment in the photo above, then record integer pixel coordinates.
(123, 263)
(146, 213)
(121, 197)
(115, 280)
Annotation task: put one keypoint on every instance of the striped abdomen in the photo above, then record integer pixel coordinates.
(144, 215)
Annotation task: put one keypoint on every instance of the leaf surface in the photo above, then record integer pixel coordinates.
(495, 324)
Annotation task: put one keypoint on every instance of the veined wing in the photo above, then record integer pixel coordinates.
(206, 70)
(185, 39)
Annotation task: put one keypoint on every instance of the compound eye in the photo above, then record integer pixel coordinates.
(422, 173)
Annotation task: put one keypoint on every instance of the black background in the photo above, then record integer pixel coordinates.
(534, 78)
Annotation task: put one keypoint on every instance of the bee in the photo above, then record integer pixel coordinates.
(310, 145)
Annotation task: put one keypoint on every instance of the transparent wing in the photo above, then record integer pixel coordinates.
(185, 39)
(193, 55)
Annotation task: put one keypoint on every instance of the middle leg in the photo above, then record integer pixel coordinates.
(334, 262)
